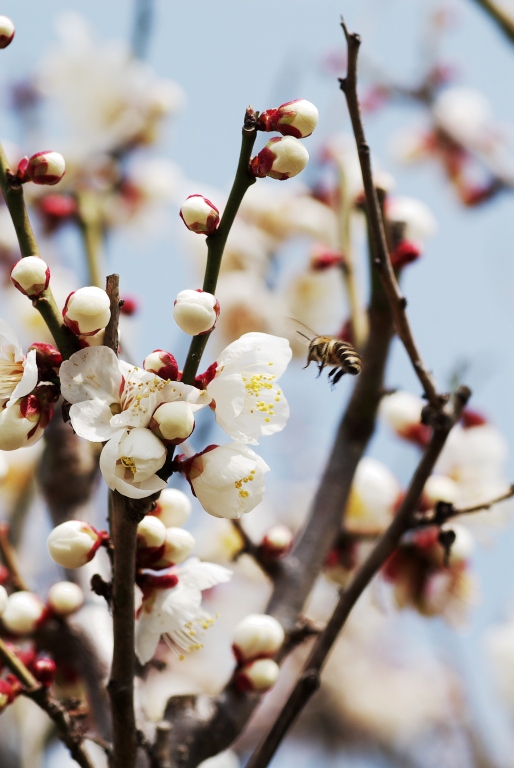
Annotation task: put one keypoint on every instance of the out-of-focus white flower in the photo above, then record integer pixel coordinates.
(226, 759)
(228, 480)
(173, 422)
(161, 363)
(196, 312)
(173, 507)
(466, 115)
(65, 598)
(316, 299)
(500, 646)
(3, 599)
(7, 31)
(248, 400)
(281, 158)
(418, 221)
(402, 412)
(257, 636)
(441, 488)
(200, 215)
(73, 543)
(31, 276)
(296, 118)
(259, 675)
(151, 532)
(18, 374)
(23, 613)
(176, 612)
(373, 497)
(87, 310)
(45, 167)
(248, 306)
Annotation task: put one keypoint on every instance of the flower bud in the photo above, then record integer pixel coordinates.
(296, 118)
(151, 533)
(23, 423)
(161, 363)
(47, 357)
(196, 312)
(7, 31)
(200, 215)
(259, 676)
(31, 276)
(402, 412)
(87, 311)
(177, 547)
(74, 543)
(173, 507)
(44, 671)
(128, 306)
(281, 158)
(3, 599)
(23, 612)
(277, 541)
(173, 422)
(257, 636)
(65, 598)
(45, 167)
(7, 693)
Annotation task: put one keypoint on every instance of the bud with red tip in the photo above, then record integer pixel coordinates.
(24, 422)
(259, 676)
(173, 507)
(48, 359)
(65, 598)
(296, 118)
(257, 636)
(45, 167)
(161, 363)
(173, 422)
(281, 158)
(128, 306)
(74, 543)
(196, 312)
(277, 541)
(405, 253)
(31, 276)
(7, 31)
(87, 311)
(200, 215)
(177, 548)
(44, 670)
(23, 613)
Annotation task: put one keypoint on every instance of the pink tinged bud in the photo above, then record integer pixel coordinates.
(7, 31)
(177, 548)
(44, 671)
(23, 423)
(257, 636)
(47, 356)
(326, 258)
(161, 363)
(3, 599)
(45, 167)
(31, 276)
(23, 613)
(129, 306)
(87, 311)
(196, 312)
(173, 507)
(258, 676)
(200, 215)
(405, 253)
(173, 422)
(151, 533)
(281, 158)
(65, 598)
(277, 541)
(56, 208)
(296, 118)
(74, 543)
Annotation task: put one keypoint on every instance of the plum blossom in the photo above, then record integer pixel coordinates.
(114, 401)
(175, 612)
(248, 401)
(18, 373)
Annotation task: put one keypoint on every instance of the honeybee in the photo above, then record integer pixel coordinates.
(326, 350)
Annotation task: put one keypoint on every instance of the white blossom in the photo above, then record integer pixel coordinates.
(22, 613)
(31, 275)
(65, 598)
(195, 312)
(18, 374)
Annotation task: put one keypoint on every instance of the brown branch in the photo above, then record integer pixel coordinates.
(309, 680)
(254, 551)
(376, 226)
(503, 19)
(67, 728)
(160, 753)
(111, 332)
(9, 558)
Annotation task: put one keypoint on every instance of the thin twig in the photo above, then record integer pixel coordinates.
(66, 726)
(379, 245)
(309, 679)
(111, 331)
(503, 18)
(10, 560)
(252, 549)
(485, 504)
(216, 242)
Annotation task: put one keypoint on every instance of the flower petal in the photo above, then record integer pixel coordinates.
(90, 374)
(8, 339)
(228, 392)
(196, 398)
(258, 353)
(91, 419)
(194, 573)
(28, 380)
(146, 640)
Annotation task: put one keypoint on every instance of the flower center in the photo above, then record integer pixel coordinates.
(239, 484)
(10, 376)
(137, 394)
(129, 464)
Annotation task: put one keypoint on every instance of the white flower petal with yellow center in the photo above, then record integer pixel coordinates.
(18, 374)
(108, 394)
(129, 461)
(249, 401)
(176, 613)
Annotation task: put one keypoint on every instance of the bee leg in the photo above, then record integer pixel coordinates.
(340, 373)
(320, 370)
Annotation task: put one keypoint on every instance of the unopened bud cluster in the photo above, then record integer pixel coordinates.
(161, 541)
(257, 639)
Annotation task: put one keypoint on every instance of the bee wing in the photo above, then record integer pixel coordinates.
(302, 330)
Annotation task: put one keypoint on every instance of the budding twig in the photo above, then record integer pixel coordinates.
(9, 558)
(376, 225)
(216, 242)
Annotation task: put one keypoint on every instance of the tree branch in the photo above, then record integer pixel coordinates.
(112, 288)
(503, 19)
(10, 560)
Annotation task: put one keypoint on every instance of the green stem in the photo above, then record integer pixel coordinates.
(216, 243)
(45, 304)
